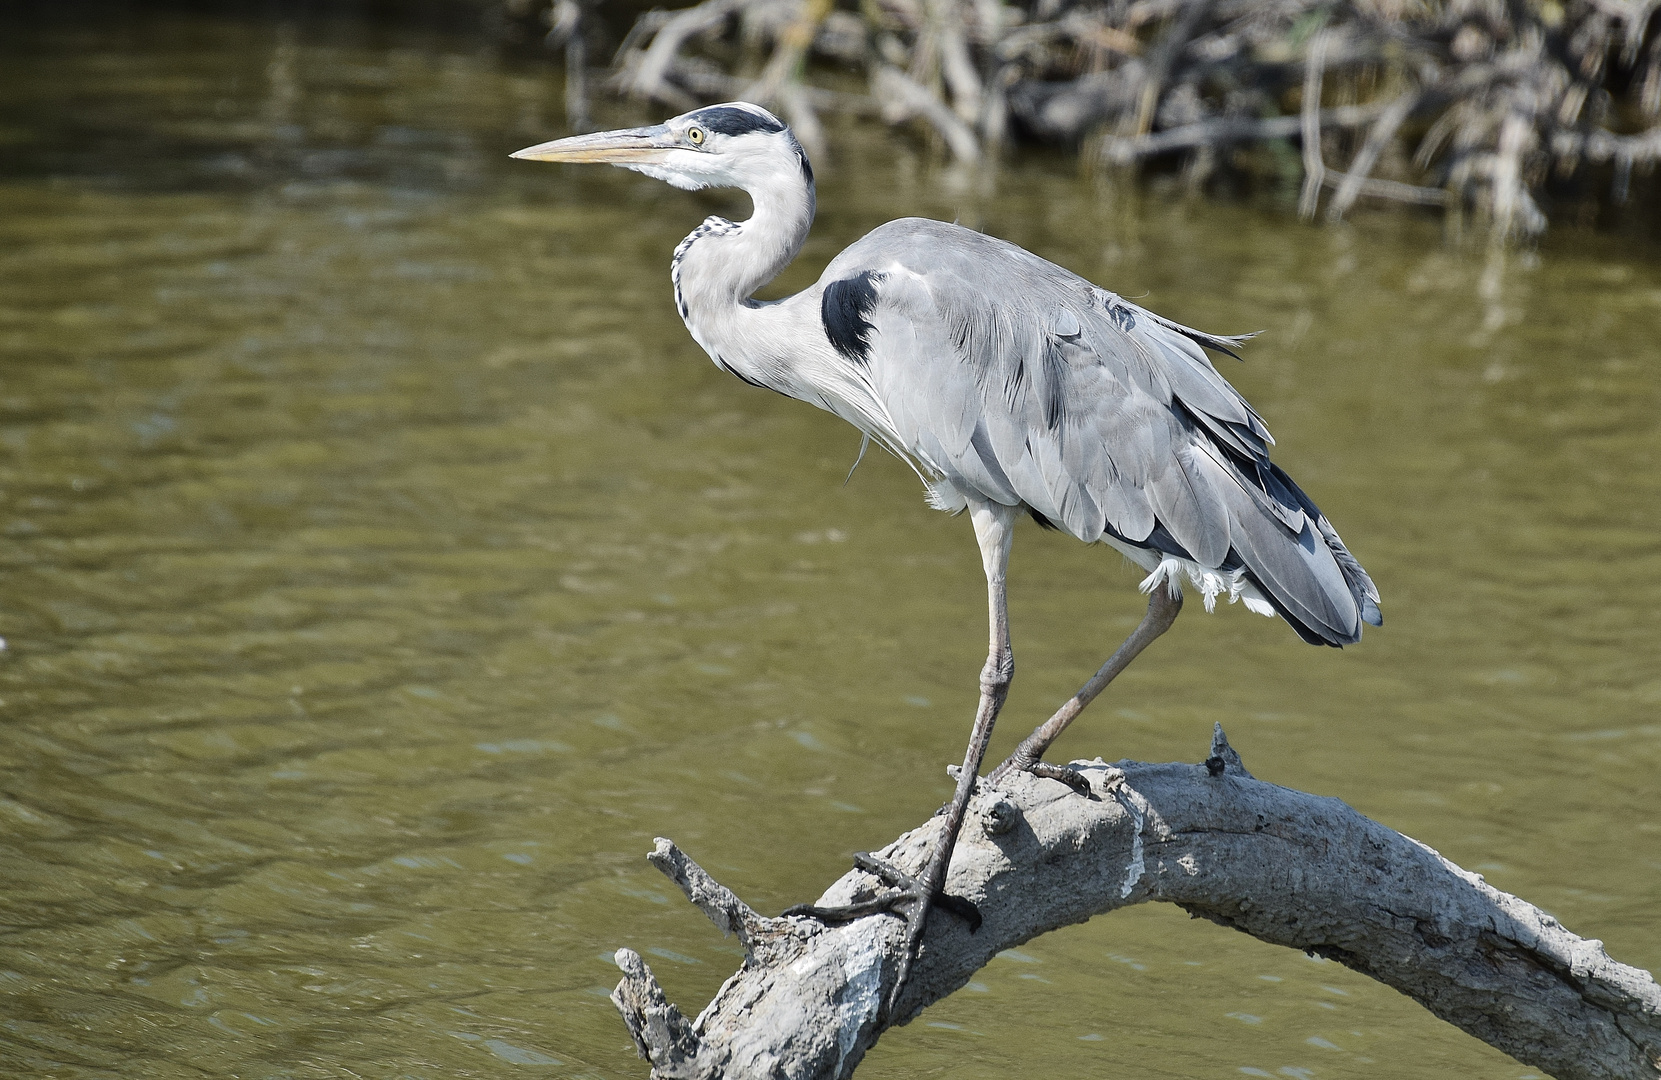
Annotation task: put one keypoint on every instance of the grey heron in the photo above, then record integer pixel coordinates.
(1011, 386)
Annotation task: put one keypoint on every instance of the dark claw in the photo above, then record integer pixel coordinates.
(1067, 776)
(960, 907)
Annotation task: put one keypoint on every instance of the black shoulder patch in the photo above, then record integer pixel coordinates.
(846, 308)
(727, 120)
(807, 170)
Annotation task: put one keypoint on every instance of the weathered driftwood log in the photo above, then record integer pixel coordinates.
(1284, 866)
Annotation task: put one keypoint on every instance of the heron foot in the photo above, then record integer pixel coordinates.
(1045, 771)
(904, 891)
(1071, 777)
(908, 897)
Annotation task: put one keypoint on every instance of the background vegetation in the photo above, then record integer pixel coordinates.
(1511, 111)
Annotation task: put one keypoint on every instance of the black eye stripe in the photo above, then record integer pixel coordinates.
(726, 120)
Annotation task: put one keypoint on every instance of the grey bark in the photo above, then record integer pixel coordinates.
(1220, 130)
(1284, 866)
(904, 98)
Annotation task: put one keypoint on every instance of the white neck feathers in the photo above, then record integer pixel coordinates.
(722, 263)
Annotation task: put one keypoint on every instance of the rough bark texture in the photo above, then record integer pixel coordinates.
(1286, 867)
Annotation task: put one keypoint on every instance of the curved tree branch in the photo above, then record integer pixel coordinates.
(1286, 867)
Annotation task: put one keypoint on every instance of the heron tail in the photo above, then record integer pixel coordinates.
(1310, 578)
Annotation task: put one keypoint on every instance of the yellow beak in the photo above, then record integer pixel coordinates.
(626, 147)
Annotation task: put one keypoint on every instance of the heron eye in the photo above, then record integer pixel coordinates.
(696, 135)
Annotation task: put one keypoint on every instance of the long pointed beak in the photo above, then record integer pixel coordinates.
(626, 147)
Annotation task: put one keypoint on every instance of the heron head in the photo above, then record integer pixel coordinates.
(732, 145)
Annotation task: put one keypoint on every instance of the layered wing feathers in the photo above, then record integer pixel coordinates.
(1015, 379)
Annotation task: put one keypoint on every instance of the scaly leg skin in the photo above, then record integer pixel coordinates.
(911, 897)
(1163, 608)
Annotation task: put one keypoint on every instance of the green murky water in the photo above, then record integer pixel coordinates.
(384, 567)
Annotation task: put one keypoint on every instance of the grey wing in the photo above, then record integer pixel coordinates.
(1021, 382)
(1274, 529)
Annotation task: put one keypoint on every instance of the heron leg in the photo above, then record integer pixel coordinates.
(1163, 608)
(913, 896)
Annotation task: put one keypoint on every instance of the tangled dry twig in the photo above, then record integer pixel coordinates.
(1470, 104)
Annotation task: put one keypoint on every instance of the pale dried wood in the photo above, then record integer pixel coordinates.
(1505, 94)
(1287, 867)
(1394, 190)
(1361, 168)
(1220, 130)
(903, 97)
(649, 76)
(1314, 166)
(788, 53)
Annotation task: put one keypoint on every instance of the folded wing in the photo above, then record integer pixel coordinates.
(1015, 380)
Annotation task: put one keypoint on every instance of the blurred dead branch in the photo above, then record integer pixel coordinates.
(1469, 104)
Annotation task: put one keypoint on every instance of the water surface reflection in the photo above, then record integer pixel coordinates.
(385, 567)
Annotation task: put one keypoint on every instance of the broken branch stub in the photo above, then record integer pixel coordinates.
(1287, 867)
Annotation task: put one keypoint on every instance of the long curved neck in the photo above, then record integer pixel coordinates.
(722, 263)
(780, 345)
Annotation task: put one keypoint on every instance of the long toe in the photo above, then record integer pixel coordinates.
(904, 894)
(903, 891)
(957, 905)
(1044, 770)
(887, 902)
